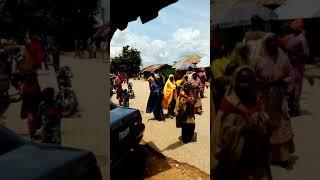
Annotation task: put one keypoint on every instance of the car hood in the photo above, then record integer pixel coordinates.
(31, 162)
(119, 115)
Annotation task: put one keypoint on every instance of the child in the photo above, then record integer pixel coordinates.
(31, 98)
(119, 94)
(50, 115)
(125, 96)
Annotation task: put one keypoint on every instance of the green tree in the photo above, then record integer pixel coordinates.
(129, 61)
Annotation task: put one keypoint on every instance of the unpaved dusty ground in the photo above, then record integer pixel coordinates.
(87, 130)
(164, 137)
(146, 163)
(306, 129)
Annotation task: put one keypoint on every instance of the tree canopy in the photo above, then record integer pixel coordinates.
(129, 61)
(63, 19)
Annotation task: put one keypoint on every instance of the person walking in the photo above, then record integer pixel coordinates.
(240, 136)
(195, 84)
(169, 96)
(274, 73)
(254, 37)
(56, 56)
(154, 104)
(185, 113)
(76, 48)
(298, 51)
(31, 98)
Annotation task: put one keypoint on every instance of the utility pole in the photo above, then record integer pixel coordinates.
(103, 15)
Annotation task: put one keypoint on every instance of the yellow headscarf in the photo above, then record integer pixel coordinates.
(181, 81)
(235, 56)
(168, 92)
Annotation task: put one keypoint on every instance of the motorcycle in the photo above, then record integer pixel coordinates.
(66, 95)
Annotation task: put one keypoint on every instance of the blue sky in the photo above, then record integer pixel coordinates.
(180, 29)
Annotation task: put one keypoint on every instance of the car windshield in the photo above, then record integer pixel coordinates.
(112, 106)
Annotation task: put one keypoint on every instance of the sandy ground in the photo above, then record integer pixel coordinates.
(89, 130)
(164, 137)
(306, 129)
(146, 163)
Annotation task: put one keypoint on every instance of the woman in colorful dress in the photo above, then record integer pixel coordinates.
(240, 55)
(169, 96)
(298, 51)
(253, 38)
(195, 84)
(180, 82)
(203, 77)
(240, 136)
(185, 113)
(154, 104)
(274, 73)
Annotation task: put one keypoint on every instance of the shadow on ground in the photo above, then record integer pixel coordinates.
(142, 163)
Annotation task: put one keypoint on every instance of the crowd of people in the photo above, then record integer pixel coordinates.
(180, 94)
(257, 89)
(123, 95)
(91, 46)
(20, 64)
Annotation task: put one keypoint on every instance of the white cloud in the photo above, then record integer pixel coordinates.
(183, 41)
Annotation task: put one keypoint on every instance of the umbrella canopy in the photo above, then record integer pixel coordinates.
(240, 15)
(191, 59)
(297, 9)
(205, 62)
(186, 66)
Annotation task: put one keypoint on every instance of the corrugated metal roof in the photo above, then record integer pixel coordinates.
(154, 67)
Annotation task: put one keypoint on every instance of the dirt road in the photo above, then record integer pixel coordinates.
(146, 163)
(87, 130)
(306, 130)
(164, 137)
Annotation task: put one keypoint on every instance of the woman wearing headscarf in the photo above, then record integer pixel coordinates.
(151, 80)
(240, 55)
(274, 73)
(154, 104)
(240, 136)
(169, 96)
(203, 77)
(218, 69)
(195, 84)
(254, 38)
(185, 113)
(298, 51)
(180, 82)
